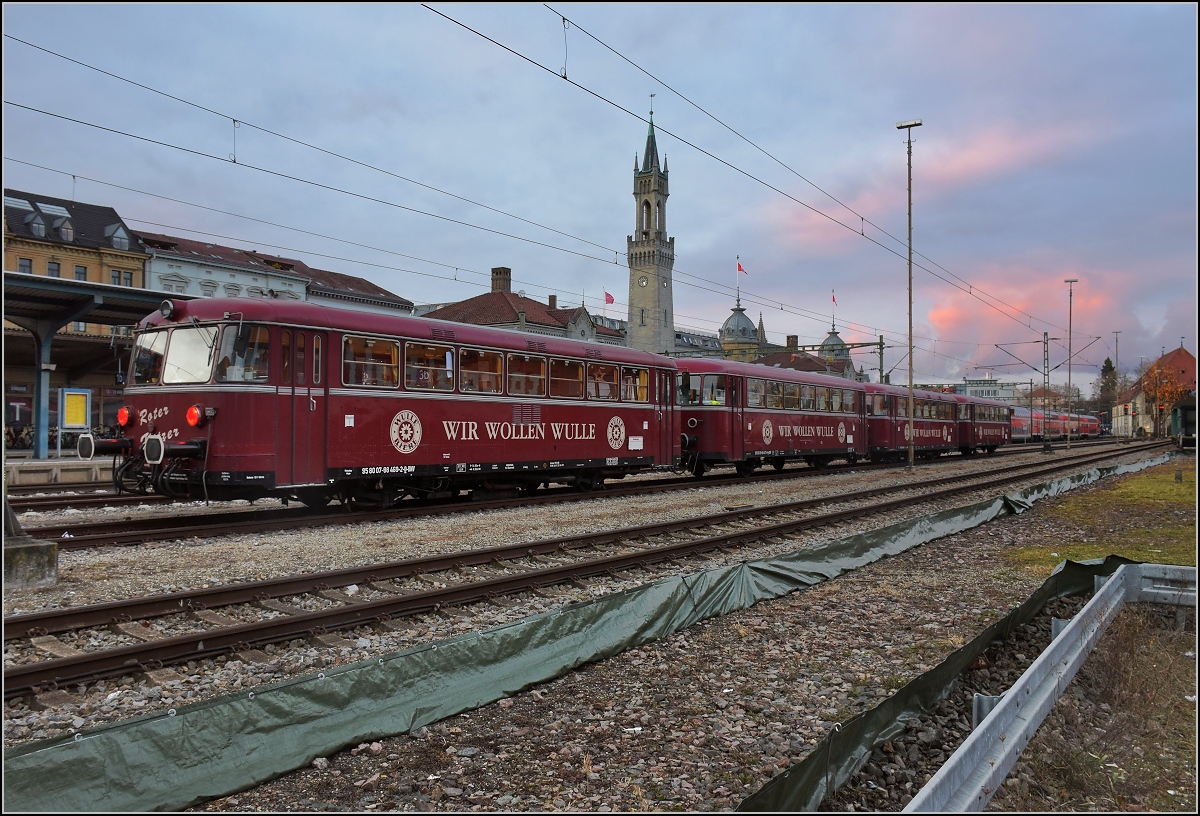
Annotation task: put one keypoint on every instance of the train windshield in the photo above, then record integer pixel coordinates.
(189, 355)
(244, 354)
(148, 357)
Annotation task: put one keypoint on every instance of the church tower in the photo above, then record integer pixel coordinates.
(651, 255)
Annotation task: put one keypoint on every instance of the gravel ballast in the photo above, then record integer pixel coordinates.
(694, 722)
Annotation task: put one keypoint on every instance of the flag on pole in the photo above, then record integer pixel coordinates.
(742, 269)
(834, 297)
(608, 298)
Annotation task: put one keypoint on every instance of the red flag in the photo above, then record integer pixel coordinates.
(741, 269)
(834, 297)
(608, 298)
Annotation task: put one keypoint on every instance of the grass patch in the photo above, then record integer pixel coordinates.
(1144, 517)
(1123, 736)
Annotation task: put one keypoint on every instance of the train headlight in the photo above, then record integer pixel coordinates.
(197, 415)
(124, 415)
(166, 309)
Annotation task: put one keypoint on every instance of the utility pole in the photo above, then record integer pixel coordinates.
(1045, 392)
(1070, 308)
(907, 127)
(881, 359)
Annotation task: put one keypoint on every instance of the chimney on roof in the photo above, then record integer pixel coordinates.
(501, 279)
(553, 303)
(793, 342)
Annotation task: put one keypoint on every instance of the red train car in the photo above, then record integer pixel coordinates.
(935, 422)
(247, 397)
(749, 415)
(983, 425)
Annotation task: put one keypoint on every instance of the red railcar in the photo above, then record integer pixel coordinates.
(248, 397)
(749, 415)
(983, 425)
(934, 426)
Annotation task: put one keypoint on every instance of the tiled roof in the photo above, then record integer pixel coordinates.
(802, 361)
(498, 309)
(89, 221)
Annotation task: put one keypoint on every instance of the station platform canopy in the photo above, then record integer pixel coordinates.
(42, 306)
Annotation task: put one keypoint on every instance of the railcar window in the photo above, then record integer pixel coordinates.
(848, 404)
(316, 359)
(821, 399)
(835, 399)
(285, 352)
(807, 400)
(635, 385)
(428, 367)
(526, 375)
(774, 394)
(690, 389)
(370, 361)
(148, 357)
(299, 358)
(791, 396)
(902, 407)
(754, 392)
(566, 378)
(481, 371)
(189, 355)
(244, 354)
(714, 389)
(964, 411)
(602, 381)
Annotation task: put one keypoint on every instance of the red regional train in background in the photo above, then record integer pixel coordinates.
(246, 398)
(1036, 425)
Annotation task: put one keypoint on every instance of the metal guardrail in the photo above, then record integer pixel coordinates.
(976, 770)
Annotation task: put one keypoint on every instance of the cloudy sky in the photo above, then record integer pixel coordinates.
(420, 146)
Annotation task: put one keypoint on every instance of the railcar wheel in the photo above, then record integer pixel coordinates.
(588, 481)
(778, 463)
(852, 458)
(746, 468)
(699, 468)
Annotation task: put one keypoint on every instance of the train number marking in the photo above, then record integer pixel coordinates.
(406, 432)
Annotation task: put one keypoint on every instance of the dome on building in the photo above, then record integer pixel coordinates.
(833, 347)
(738, 328)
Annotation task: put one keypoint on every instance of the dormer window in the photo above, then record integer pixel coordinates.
(36, 225)
(65, 230)
(117, 236)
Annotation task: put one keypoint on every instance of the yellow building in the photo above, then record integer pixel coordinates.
(51, 237)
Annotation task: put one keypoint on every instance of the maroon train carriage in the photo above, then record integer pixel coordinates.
(935, 423)
(749, 415)
(245, 398)
(983, 425)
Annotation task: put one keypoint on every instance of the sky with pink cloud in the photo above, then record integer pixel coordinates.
(421, 146)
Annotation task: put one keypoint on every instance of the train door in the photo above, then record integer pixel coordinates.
(668, 419)
(302, 403)
(737, 418)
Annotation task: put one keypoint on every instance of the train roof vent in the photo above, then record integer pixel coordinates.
(443, 334)
(595, 354)
(536, 345)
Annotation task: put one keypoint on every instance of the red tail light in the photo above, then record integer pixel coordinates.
(124, 415)
(195, 416)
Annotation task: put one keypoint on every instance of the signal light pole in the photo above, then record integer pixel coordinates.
(907, 127)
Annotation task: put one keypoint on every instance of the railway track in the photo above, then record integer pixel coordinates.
(254, 614)
(124, 532)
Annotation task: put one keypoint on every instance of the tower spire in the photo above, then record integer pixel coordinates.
(650, 159)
